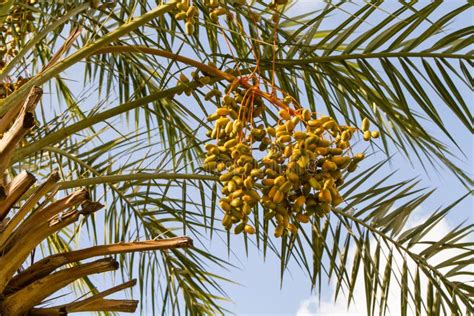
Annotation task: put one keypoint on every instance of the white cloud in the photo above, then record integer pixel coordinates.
(313, 307)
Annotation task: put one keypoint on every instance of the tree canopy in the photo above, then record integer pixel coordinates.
(130, 90)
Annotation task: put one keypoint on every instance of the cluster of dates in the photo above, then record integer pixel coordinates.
(186, 11)
(293, 168)
(15, 27)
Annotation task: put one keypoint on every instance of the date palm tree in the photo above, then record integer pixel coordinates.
(112, 102)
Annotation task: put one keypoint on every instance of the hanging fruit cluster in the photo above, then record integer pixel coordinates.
(365, 128)
(216, 9)
(15, 27)
(189, 13)
(200, 79)
(293, 168)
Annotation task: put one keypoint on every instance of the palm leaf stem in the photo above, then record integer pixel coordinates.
(82, 53)
(134, 177)
(39, 37)
(425, 266)
(327, 59)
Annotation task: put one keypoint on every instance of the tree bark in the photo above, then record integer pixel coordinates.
(22, 301)
(40, 192)
(79, 305)
(51, 263)
(24, 240)
(14, 191)
(22, 124)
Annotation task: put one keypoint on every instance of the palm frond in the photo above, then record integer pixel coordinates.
(402, 66)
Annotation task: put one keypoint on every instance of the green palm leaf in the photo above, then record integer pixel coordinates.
(137, 142)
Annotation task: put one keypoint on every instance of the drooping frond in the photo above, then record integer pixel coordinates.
(116, 121)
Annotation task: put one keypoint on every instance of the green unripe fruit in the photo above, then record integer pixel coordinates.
(365, 124)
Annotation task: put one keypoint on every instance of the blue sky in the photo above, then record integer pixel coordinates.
(261, 293)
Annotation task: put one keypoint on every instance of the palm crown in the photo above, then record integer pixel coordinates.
(140, 149)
